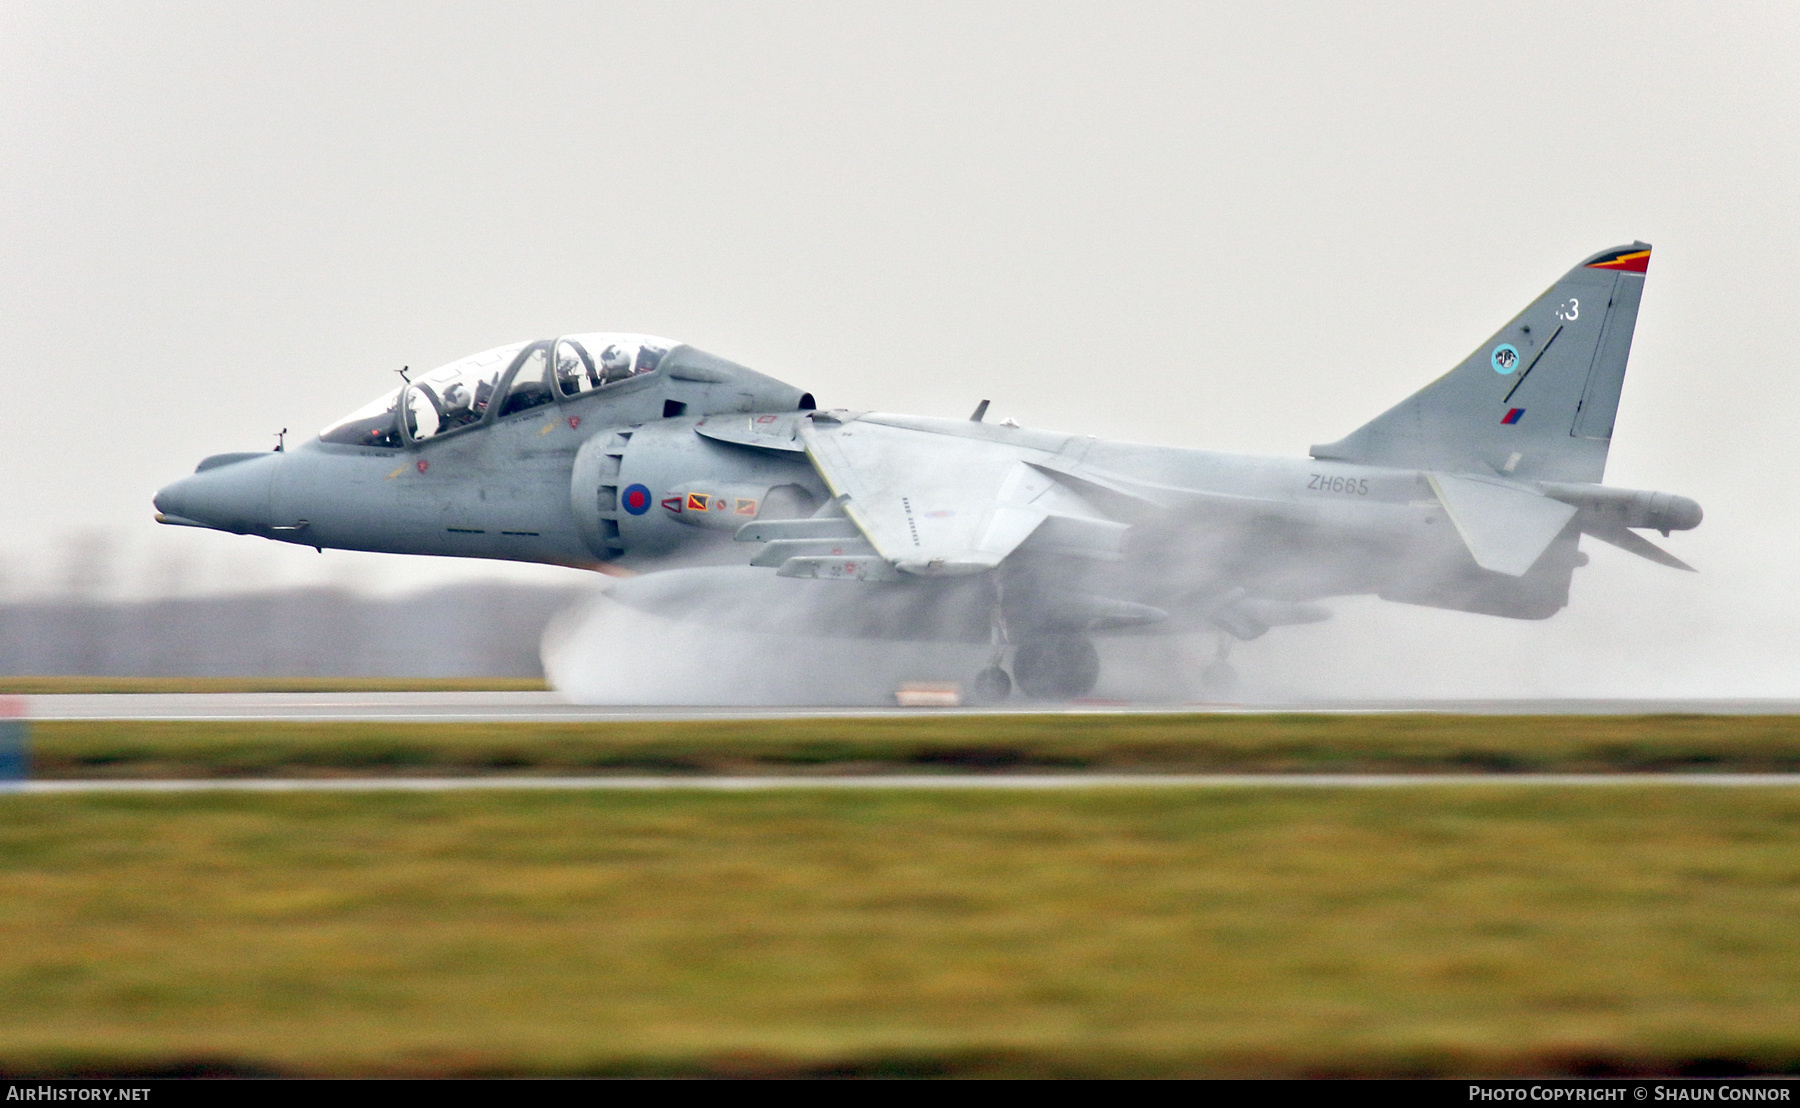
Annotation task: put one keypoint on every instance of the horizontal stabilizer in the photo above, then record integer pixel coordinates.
(1505, 527)
(1637, 544)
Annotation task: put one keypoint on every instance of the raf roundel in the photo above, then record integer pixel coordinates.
(1505, 358)
(636, 499)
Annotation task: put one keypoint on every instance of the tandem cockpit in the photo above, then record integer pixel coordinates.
(515, 425)
(498, 383)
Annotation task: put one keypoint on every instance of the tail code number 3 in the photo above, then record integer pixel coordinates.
(1569, 310)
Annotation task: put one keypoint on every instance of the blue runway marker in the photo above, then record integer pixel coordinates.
(15, 751)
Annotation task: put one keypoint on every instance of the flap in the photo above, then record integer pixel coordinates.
(1506, 527)
(937, 505)
(1086, 538)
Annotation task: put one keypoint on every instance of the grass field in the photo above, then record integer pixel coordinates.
(1487, 930)
(929, 743)
(40, 686)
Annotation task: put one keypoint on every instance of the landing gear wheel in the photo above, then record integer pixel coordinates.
(1056, 669)
(992, 685)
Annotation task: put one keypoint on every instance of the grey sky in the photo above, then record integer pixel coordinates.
(1237, 226)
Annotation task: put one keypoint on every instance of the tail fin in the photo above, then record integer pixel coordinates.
(1537, 400)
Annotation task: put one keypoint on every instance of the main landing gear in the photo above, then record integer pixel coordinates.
(1045, 666)
(992, 685)
(1056, 668)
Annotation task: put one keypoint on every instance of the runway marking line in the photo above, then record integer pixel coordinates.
(893, 781)
(547, 707)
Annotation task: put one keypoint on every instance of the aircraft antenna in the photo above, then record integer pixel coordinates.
(281, 440)
(980, 412)
(402, 372)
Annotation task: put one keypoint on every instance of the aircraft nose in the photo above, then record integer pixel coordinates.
(227, 493)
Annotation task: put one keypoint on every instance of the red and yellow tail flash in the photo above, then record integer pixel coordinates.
(1627, 261)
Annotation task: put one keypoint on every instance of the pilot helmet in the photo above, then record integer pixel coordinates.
(615, 361)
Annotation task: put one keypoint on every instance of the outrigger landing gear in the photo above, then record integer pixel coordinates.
(1057, 668)
(1219, 679)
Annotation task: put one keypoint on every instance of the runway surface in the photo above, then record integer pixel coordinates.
(918, 781)
(530, 707)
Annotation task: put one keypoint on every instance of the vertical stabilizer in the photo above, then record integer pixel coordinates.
(1536, 400)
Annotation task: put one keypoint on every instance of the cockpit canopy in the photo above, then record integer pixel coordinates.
(525, 374)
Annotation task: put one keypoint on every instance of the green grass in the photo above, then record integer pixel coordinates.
(930, 743)
(1475, 930)
(39, 686)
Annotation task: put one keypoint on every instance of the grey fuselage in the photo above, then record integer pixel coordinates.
(625, 453)
(608, 481)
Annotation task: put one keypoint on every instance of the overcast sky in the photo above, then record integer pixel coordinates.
(1243, 227)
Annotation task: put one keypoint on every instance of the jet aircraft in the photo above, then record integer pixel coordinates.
(724, 496)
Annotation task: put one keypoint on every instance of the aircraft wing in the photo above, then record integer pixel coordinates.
(937, 505)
